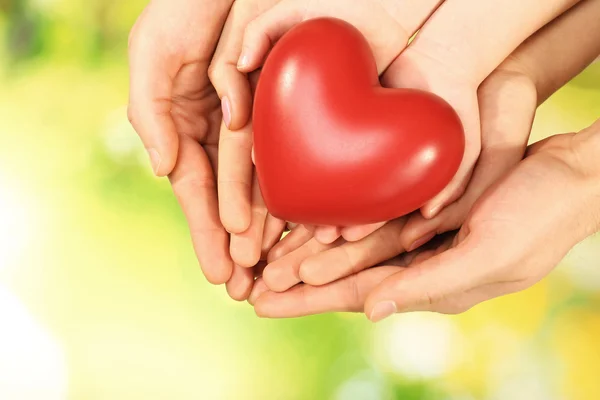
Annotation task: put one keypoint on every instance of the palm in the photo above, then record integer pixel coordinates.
(175, 109)
(196, 107)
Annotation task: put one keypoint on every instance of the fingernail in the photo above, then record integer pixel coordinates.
(420, 242)
(226, 108)
(383, 310)
(257, 291)
(433, 211)
(244, 60)
(154, 160)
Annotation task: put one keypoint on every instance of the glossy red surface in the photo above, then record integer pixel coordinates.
(332, 147)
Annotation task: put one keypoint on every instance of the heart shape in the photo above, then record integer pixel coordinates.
(333, 147)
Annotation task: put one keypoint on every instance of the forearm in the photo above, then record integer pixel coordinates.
(560, 50)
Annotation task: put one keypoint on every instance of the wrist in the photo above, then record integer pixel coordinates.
(584, 161)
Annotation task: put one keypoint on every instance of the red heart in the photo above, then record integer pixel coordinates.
(332, 147)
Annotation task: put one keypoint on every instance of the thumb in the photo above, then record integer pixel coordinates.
(231, 85)
(423, 286)
(149, 111)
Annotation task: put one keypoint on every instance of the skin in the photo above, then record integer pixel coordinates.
(175, 110)
(495, 212)
(177, 113)
(438, 60)
(471, 267)
(236, 173)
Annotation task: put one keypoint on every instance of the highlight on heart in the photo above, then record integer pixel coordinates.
(332, 146)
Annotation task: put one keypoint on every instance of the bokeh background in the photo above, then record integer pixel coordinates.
(101, 296)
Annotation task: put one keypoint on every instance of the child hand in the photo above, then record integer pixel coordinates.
(439, 59)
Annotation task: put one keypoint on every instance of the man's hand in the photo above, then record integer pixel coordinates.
(518, 231)
(176, 111)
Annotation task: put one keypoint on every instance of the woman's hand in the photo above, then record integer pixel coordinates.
(386, 35)
(176, 112)
(507, 100)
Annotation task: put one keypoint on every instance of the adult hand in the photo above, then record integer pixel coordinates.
(508, 97)
(176, 111)
(438, 60)
(508, 101)
(508, 243)
(373, 18)
(574, 38)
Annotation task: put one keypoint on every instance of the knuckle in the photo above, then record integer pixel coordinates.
(353, 294)
(259, 211)
(132, 115)
(194, 184)
(391, 240)
(454, 308)
(431, 297)
(352, 262)
(133, 36)
(521, 274)
(214, 71)
(251, 28)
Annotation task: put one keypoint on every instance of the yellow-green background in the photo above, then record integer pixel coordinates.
(101, 296)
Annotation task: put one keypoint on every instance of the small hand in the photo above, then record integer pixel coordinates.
(438, 60)
(261, 23)
(508, 100)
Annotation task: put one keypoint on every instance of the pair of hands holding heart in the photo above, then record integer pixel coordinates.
(176, 110)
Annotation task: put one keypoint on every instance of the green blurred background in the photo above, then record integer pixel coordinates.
(101, 296)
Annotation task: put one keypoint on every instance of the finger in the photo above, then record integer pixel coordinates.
(259, 268)
(233, 86)
(235, 91)
(151, 83)
(310, 228)
(453, 67)
(352, 257)
(259, 288)
(508, 102)
(282, 274)
(246, 247)
(292, 241)
(235, 178)
(193, 183)
(347, 294)
(356, 233)
(386, 36)
(273, 230)
(240, 284)
(327, 234)
(430, 282)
